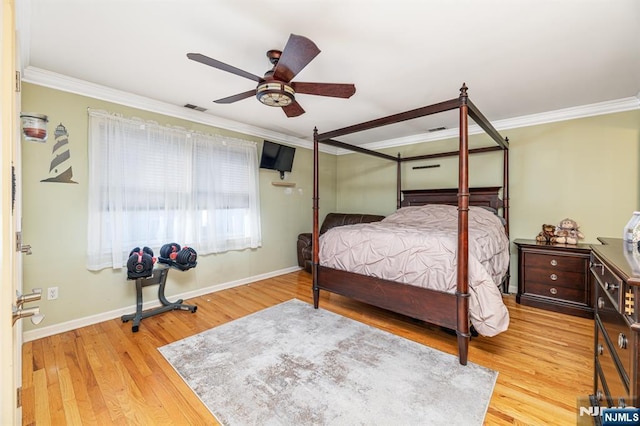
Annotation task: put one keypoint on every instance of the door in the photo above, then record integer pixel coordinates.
(11, 260)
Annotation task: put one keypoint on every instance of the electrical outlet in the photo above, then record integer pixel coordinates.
(52, 293)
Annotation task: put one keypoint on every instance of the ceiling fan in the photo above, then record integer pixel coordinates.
(276, 88)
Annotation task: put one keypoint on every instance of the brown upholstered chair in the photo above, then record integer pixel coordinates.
(305, 252)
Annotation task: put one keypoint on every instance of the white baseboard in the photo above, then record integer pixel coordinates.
(39, 333)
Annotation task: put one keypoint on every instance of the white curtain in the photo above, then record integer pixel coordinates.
(151, 185)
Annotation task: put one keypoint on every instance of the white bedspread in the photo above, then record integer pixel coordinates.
(418, 246)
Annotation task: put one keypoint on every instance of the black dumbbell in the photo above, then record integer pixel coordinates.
(140, 263)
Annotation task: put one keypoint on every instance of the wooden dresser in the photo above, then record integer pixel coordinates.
(617, 276)
(555, 277)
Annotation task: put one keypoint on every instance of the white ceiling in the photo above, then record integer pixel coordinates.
(519, 58)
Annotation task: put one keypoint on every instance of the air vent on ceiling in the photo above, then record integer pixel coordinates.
(196, 107)
(437, 129)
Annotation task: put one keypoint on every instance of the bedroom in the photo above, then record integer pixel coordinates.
(557, 169)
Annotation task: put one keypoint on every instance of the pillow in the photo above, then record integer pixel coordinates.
(495, 211)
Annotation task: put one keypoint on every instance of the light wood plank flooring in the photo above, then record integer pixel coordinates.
(105, 374)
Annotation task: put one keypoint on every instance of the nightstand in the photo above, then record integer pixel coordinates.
(555, 277)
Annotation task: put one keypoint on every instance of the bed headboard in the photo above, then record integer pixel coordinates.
(482, 197)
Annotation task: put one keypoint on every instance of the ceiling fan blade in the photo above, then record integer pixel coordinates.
(298, 52)
(198, 57)
(293, 109)
(235, 98)
(336, 90)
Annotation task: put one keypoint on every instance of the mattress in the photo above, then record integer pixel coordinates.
(418, 246)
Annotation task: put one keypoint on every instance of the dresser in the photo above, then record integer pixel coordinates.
(615, 268)
(555, 277)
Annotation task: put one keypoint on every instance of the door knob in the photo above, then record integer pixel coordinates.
(21, 299)
(33, 312)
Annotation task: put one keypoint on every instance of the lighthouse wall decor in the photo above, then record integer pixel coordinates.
(60, 169)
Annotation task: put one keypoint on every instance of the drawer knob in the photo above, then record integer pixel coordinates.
(600, 302)
(600, 349)
(622, 341)
(553, 291)
(554, 262)
(553, 277)
(609, 287)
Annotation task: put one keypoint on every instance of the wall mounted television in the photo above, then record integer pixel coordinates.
(277, 157)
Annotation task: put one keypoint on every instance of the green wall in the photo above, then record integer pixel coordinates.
(585, 169)
(55, 218)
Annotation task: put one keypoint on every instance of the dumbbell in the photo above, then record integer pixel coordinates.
(186, 258)
(168, 253)
(140, 263)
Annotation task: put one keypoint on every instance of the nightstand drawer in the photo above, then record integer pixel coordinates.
(554, 262)
(555, 278)
(556, 291)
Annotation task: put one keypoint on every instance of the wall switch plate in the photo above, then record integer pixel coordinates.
(52, 293)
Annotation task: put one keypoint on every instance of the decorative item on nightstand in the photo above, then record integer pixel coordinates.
(568, 232)
(547, 235)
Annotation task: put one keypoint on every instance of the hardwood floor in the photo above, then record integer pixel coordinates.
(105, 374)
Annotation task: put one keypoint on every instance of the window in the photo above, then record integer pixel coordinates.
(150, 185)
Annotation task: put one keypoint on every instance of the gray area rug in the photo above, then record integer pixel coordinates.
(291, 364)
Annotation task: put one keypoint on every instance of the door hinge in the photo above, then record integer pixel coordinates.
(19, 397)
(24, 248)
(18, 82)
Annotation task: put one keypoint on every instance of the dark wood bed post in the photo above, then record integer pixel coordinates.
(316, 231)
(505, 188)
(462, 289)
(505, 208)
(399, 183)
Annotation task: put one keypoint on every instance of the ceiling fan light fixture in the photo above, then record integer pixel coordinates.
(275, 93)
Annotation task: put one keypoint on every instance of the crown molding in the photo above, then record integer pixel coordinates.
(53, 80)
(64, 83)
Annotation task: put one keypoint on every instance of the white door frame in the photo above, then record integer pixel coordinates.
(10, 336)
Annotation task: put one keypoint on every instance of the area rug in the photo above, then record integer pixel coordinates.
(291, 364)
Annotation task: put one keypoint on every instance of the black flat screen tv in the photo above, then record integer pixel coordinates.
(277, 157)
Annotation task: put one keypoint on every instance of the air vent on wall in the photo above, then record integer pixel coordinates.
(437, 129)
(196, 107)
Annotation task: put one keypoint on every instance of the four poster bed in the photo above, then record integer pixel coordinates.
(415, 286)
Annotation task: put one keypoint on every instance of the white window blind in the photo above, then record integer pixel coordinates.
(150, 185)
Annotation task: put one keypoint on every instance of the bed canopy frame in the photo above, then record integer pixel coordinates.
(443, 309)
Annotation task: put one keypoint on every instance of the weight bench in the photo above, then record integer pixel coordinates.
(158, 277)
